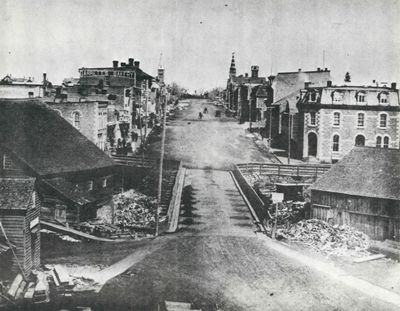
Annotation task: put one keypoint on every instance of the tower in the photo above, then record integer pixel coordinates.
(232, 69)
(160, 71)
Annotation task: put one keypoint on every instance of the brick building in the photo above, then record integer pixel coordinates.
(333, 119)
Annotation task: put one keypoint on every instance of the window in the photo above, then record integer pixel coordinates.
(378, 141)
(312, 96)
(383, 97)
(76, 117)
(30, 94)
(360, 119)
(335, 146)
(336, 119)
(386, 142)
(312, 118)
(360, 140)
(360, 97)
(337, 97)
(104, 182)
(383, 120)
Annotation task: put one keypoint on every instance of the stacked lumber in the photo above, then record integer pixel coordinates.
(17, 288)
(330, 239)
(41, 292)
(62, 280)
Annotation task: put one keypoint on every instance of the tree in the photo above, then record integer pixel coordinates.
(347, 77)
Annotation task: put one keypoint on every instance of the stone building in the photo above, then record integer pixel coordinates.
(89, 117)
(241, 92)
(333, 119)
(286, 87)
(11, 87)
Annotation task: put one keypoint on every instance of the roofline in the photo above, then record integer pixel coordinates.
(356, 195)
(383, 88)
(310, 71)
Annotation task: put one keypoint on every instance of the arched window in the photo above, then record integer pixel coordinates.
(386, 142)
(335, 145)
(76, 118)
(382, 120)
(378, 141)
(360, 140)
(383, 98)
(312, 96)
(360, 119)
(336, 119)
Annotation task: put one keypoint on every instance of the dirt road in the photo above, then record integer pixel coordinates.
(216, 260)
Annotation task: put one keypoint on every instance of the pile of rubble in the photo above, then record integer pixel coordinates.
(330, 239)
(134, 210)
(287, 212)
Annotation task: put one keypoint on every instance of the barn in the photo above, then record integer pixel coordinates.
(363, 191)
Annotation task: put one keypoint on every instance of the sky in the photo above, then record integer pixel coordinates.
(197, 37)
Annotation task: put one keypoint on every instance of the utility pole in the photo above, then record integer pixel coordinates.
(289, 138)
(164, 106)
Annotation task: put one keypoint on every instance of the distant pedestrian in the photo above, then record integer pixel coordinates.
(205, 111)
(200, 115)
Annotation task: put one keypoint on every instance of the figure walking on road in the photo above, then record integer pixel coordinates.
(200, 115)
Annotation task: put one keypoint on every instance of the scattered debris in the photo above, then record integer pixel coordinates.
(369, 258)
(61, 236)
(335, 240)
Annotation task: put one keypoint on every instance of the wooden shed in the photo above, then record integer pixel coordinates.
(19, 216)
(363, 191)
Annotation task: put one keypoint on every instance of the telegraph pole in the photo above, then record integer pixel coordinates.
(164, 106)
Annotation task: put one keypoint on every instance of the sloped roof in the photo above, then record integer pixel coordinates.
(288, 101)
(365, 171)
(70, 190)
(46, 142)
(286, 83)
(15, 193)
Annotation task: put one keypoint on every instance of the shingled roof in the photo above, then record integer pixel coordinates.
(46, 142)
(15, 193)
(365, 171)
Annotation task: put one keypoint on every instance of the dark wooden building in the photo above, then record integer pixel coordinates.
(363, 191)
(73, 177)
(19, 216)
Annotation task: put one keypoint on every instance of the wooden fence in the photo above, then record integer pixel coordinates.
(293, 170)
(145, 161)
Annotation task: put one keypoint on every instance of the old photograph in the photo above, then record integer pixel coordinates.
(204, 155)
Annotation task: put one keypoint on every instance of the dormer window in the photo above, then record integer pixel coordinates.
(383, 98)
(360, 97)
(312, 96)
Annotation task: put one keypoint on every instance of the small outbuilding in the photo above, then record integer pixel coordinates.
(19, 217)
(363, 191)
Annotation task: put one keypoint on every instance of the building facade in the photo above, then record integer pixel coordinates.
(334, 119)
(11, 87)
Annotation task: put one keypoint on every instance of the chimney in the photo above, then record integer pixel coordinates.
(318, 69)
(131, 60)
(44, 78)
(329, 83)
(123, 64)
(246, 75)
(299, 69)
(326, 69)
(137, 64)
(115, 64)
(254, 71)
(393, 85)
(306, 84)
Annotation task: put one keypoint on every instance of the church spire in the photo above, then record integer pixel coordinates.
(232, 69)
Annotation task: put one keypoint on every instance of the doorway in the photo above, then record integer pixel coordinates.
(312, 144)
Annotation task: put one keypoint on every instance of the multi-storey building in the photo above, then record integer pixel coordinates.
(11, 87)
(333, 119)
